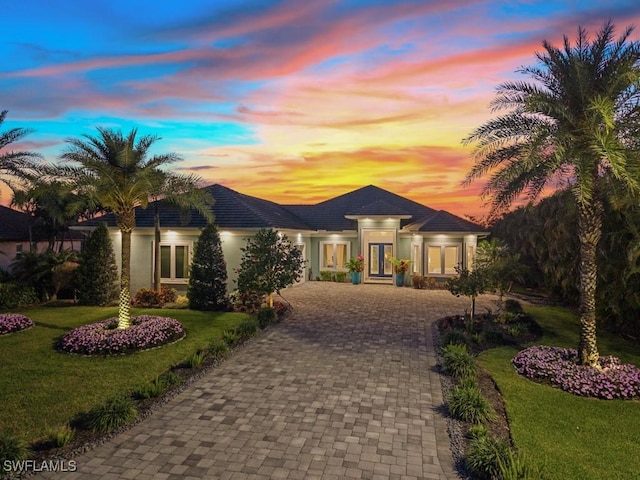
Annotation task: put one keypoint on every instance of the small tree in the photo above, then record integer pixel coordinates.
(470, 284)
(208, 280)
(270, 262)
(97, 274)
(501, 268)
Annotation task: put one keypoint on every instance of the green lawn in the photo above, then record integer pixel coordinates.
(578, 438)
(41, 388)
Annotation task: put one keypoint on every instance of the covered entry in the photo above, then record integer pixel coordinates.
(379, 247)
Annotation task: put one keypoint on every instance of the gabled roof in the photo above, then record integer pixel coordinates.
(14, 225)
(233, 210)
(442, 221)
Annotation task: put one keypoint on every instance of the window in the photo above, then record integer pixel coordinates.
(334, 255)
(175, 259)
(443, 259)
(18, 248)
(416, 258)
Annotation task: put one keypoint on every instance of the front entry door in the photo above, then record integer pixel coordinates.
(380, 260)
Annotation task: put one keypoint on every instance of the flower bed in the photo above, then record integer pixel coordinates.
(559, 367)
(104, 338)
(13, 322)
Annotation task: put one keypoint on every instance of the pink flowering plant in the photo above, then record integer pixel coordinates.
(559, 367)
(13, 322)
(400, 266)
(104, 338)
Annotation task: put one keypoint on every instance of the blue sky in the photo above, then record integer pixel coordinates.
(287, 100)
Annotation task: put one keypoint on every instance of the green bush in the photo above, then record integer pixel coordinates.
(483, 455)
(115, 412)
(207, 288)
(150, 298)
(457, 361)
(493, 336)
(326, 276)
(454, 336)
(218, 348)
(341, 277)
(466, 403)
(61, 436)
(13, 295)
(97, 273)
(266, 316)
(513, 306)
(11, 448)
(196, 360)
(247, 329)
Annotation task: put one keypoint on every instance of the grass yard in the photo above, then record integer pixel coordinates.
(41, 388)
(577, 438)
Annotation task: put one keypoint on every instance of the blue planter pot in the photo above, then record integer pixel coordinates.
(399, 279)
(356, 277)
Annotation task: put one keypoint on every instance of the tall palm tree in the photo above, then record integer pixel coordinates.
(12, 164)
(116, 173)
(579, 124)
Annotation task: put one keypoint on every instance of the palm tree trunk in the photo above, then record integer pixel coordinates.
(126, 222)
(589, 233)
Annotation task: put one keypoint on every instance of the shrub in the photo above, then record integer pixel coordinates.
(61, 436)
(454, 336)
(231, 337)
(97, 273)
(513, 306)
(13, 322)
(326, 276)
(248, 302)
(104, 338)
(181, 302)
(559, 367)
(218, 348)
(11, 448)
(266, 316)
(13, 295)
(247, 329)
(493, 336)
(419, 282)
(150, 298)
(431, 283)
(170, 378)
(115, 412)
(466, 403)
(457, 361)
(281, 309)
(341, 277)
(208, 280)
(483, 454)
(196, 360)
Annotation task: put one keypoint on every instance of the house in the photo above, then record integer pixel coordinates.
(370, 221)
(19, 233)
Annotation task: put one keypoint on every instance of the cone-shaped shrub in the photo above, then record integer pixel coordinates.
(208, 280)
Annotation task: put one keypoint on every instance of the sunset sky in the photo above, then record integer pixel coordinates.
(293, 101)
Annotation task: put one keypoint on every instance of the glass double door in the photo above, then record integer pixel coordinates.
(380, 255)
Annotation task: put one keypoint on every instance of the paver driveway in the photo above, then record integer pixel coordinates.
(344, 388)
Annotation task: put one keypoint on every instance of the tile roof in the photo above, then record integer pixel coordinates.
(14, 225)
(235, 210)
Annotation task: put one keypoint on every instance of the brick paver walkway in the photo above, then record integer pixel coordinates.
(344, 388)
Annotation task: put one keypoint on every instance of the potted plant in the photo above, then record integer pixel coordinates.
(400, 267)
(356, 267)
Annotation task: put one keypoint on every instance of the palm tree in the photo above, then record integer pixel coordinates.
(577, 124)
(115, 173)
(12, 164)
